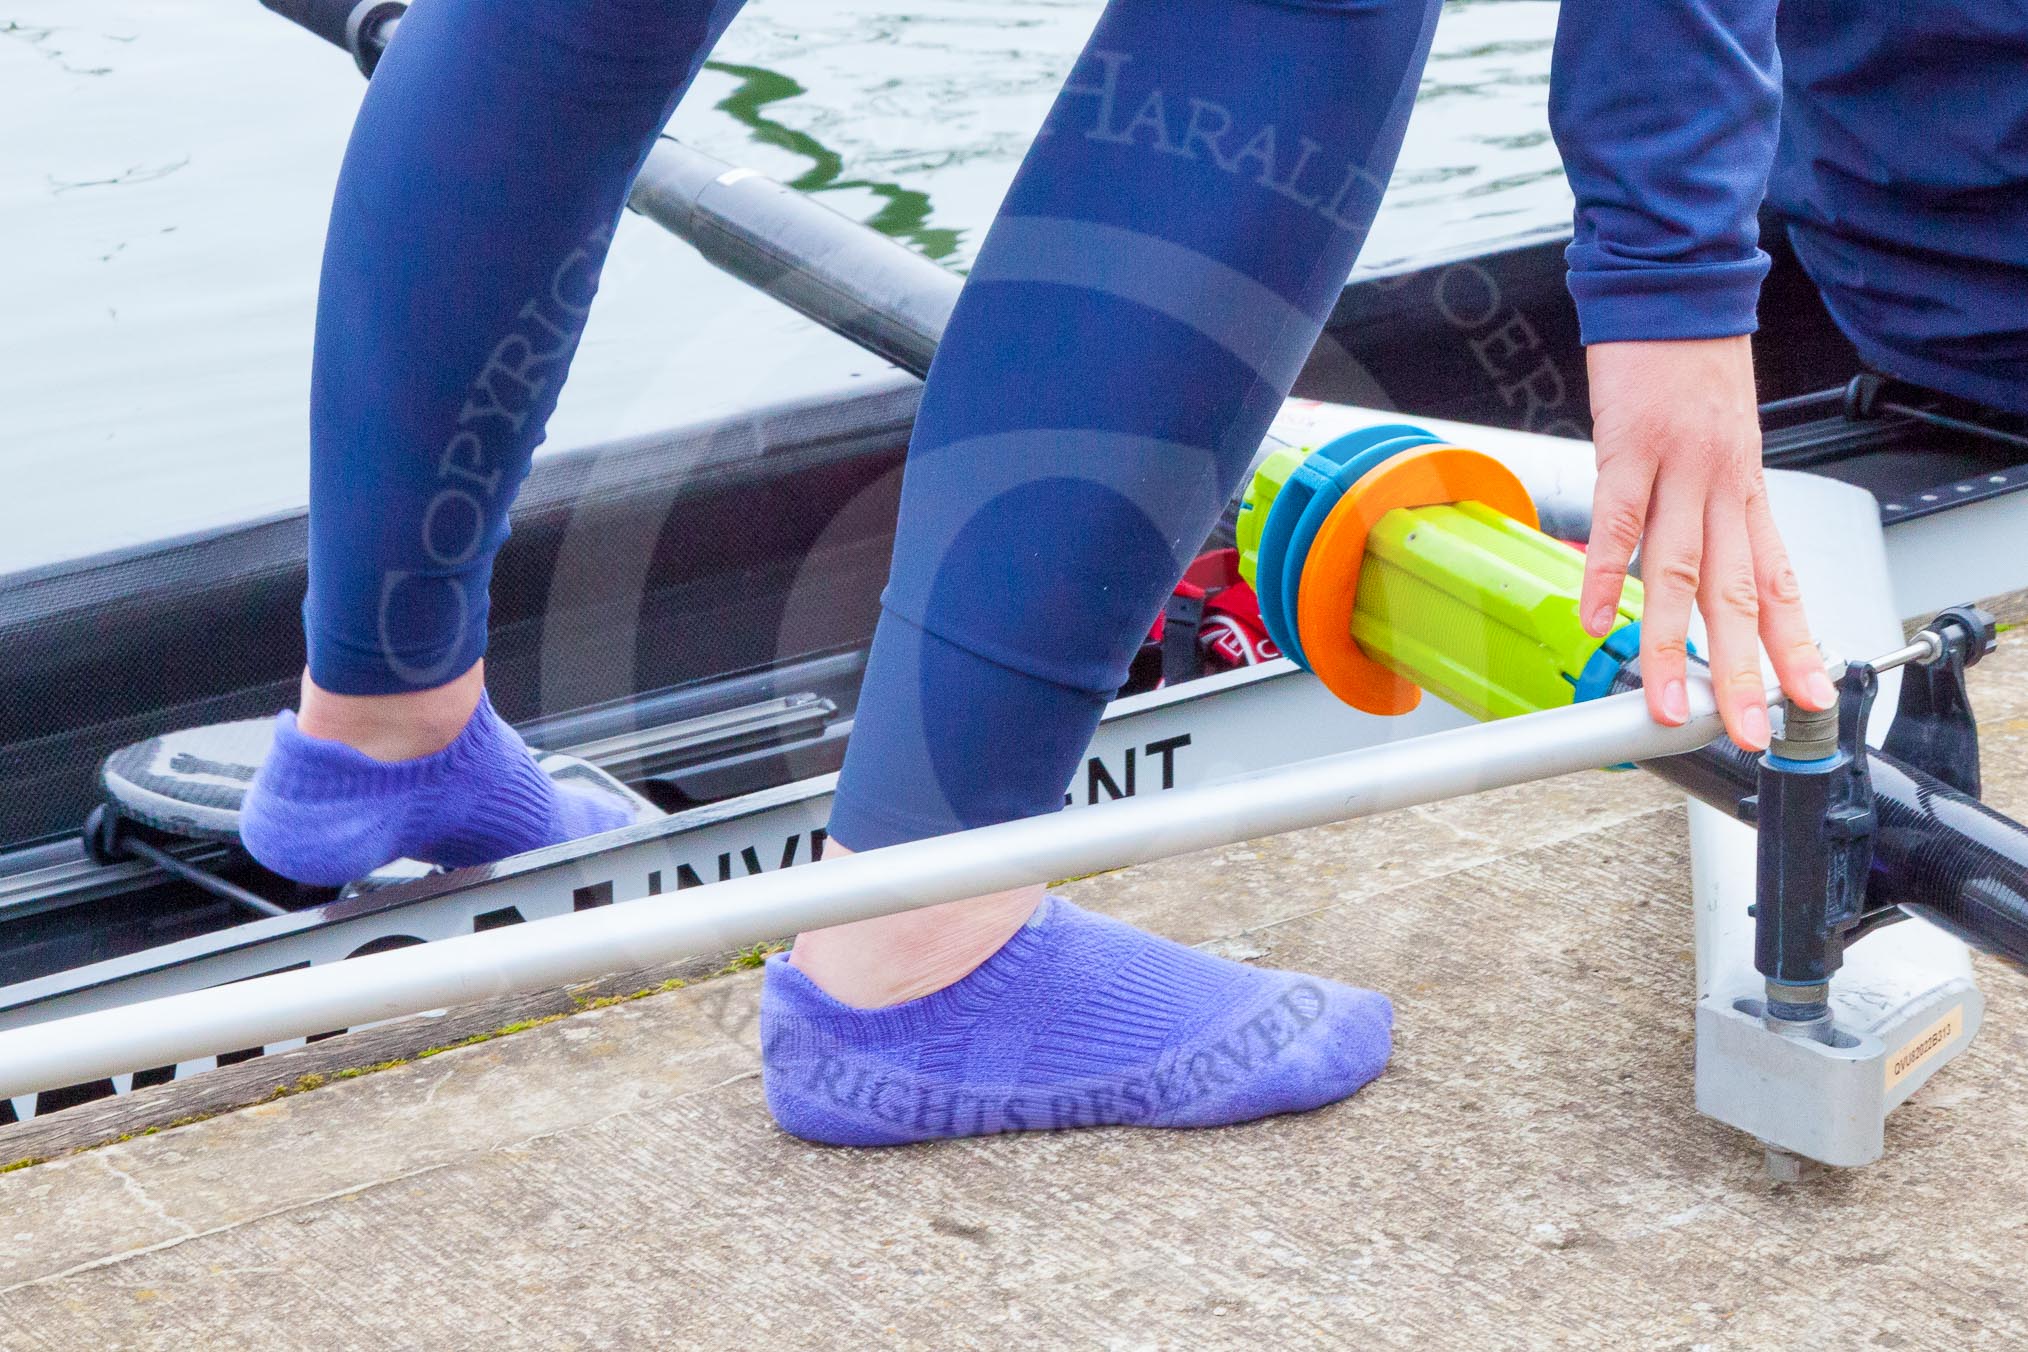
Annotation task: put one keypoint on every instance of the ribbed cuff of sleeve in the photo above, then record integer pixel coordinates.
(1619, 304)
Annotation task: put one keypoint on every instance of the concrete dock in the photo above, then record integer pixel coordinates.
(1529, 1172)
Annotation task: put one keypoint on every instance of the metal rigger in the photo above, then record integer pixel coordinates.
(1390, 564)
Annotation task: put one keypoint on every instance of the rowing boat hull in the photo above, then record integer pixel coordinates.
(701, 601)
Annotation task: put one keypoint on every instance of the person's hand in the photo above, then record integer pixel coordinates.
(1678, 441)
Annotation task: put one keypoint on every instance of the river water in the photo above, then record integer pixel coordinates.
(168, 166)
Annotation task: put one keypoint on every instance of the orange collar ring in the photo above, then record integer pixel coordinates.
(1328, 593)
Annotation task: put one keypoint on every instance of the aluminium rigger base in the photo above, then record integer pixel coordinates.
(1904, 1003)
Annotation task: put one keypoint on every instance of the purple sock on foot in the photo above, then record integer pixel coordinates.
(324, 813)
(1078, 1021)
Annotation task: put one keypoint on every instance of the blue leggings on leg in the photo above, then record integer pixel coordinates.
(1156, 277)
(489, 164)
(1161, 267)
(1159, 271)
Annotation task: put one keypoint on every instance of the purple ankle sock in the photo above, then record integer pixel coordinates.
(323, 813)
(1078, 1021)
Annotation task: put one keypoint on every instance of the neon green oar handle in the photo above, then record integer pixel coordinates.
(1467, 603)
(1477, 609)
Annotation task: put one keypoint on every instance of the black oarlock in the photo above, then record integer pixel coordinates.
(1814, 811)
(1937, 852)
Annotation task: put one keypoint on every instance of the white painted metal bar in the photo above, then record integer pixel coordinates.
(631, 936)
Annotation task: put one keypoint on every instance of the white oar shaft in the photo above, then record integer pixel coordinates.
(750, 910)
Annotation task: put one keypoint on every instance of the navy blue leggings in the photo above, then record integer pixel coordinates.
(1161, 266)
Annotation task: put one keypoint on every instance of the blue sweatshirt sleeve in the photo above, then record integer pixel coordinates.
(1666, 113)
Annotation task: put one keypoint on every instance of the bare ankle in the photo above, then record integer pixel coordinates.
(393, 727)
(896, 958)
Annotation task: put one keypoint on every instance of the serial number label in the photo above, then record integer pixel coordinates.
(1933, 1040)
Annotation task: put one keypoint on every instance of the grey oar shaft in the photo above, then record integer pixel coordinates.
(547, 953)
(855, 282)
